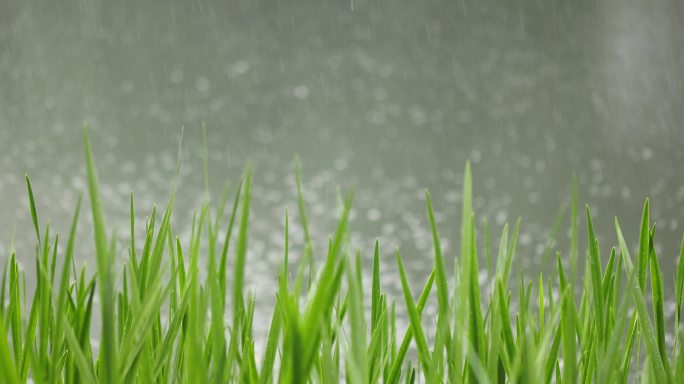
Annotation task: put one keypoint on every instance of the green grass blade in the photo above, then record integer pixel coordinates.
(32, 206)
(464, 265)
(442, 288)
(84, 367)
(14, 311)
(271, 347)
(172, 334)
(658, 298)
(398, 362)
(241, 251)
(375, 288)
(660, 365)
(9, 369)
(573, 231)
(596, 274)
(357, 353)
(552, 356)
(610, 367)
(442, 339)
(643, 260)
(414, 317)
(679, 292)
(63, 287)
(105, 269)
(477, 332)
(568, 324)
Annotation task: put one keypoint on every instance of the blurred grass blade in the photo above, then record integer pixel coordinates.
(105, 269)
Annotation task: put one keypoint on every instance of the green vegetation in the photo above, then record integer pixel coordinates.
(163, 321)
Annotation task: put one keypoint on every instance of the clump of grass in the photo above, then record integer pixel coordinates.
(162, 322)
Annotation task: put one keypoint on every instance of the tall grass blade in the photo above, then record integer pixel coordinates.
(241, 251)
(414, 317)
(105, 269)
(596, 278)
(644, 238)
(658, 297)
(660, 365)
(9, 370)
(398, 362)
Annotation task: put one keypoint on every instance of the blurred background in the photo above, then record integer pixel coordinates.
(383, 97)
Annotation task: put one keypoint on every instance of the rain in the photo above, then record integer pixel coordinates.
(383, 98)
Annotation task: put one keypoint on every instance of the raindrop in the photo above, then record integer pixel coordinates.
(176, 76)
(501, 218)
(341, 164)
(202, 84)
(647, 153)
(127, 86)
(301, 92)
(239, 68)
(373, 214)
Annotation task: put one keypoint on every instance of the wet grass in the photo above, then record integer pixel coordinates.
(163, 321)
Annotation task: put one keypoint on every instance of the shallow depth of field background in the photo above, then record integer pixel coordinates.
(382, 97)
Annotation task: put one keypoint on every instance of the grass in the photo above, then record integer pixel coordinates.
(162, 321)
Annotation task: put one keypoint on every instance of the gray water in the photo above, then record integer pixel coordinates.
(382, 97)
